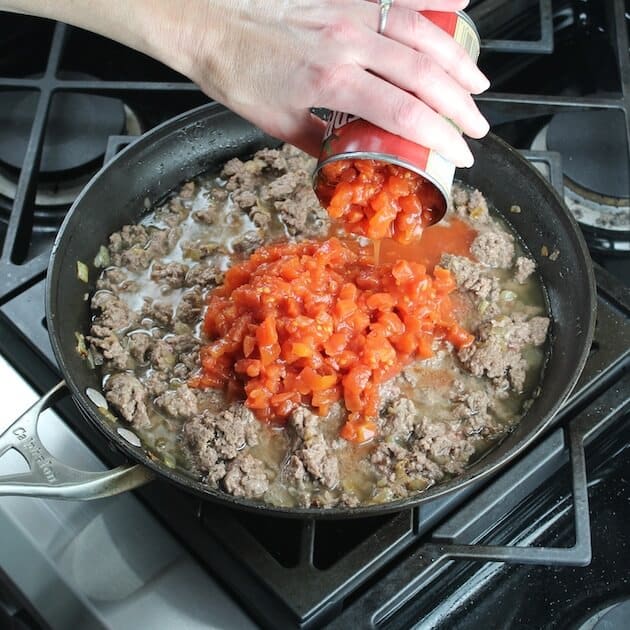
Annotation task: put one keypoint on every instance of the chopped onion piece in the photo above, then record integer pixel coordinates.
(82, 271)
(102, 257)
(81, 347)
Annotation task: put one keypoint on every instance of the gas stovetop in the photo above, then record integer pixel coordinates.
(516, 545)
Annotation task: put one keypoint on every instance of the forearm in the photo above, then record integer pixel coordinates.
(272, 60)
(160, 28)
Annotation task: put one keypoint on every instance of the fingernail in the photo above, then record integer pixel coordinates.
(467, 158)
(481, 83)
(484, 127)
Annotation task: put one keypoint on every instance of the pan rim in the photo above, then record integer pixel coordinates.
(475, 473)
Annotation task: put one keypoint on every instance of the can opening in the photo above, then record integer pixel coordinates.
(378, 197)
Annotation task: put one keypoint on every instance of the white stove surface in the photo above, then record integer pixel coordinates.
(99, 564)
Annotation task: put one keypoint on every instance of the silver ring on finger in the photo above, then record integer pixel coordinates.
(384, 7)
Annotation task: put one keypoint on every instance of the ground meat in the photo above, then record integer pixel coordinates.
(115, 280)
(139, 345)
(127, 395)
(129, 236)
(162, 356)
(112, 312)
(183, 344)
(497, 351)
(275, 159)
(311, 447)
(187, 190)
(260, 217)
(189, 307)
(186, 350)
(169, 274)
(442, 441)
(160, 313)
(243, 175)
(225, 432)
(400, 418)
(320, 463)
(208, 215)
(107, 344)
(187, 364)
(494, 249)
(156, 383)
(172, 214)
(471, 277)
(471, 206)
(303, 215)
(389, 392)
(214, 438)
(163, 241)
(297, 160)
(283, 187)
(304, 423)
(295, 202)
(493, 359)
(349, 500)
(471, 407)
(246, 477)
(295, 471)
(135, 246)
(204, 275)
(538, 328)
(179, 403)
(418, 466)
(248, 242)
(524, 267)
(244, 199)
(232, 167)
(404, 470)
(385, 457)
(200, 249)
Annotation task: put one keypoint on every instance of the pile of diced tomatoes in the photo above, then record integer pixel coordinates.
(317, 322)
(378, 200)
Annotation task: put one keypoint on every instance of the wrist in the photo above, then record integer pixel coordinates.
(165, 30)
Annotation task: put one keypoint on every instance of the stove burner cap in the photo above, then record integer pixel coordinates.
(77, 128)
(610, 618)
(594, 152)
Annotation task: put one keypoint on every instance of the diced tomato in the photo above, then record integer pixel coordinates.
(378, 200)
(317, 322)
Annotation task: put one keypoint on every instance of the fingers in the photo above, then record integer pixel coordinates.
(399, 112)
(431, 5)
(417, 32)
(420, 74)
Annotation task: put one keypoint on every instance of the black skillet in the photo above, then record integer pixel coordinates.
(205, 138)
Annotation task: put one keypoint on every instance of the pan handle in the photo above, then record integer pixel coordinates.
(50, 478)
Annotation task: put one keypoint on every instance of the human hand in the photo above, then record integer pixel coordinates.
(272, 61)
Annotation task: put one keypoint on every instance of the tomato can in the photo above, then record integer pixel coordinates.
(350, 137)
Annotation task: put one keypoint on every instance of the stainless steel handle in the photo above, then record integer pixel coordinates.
(50, 478)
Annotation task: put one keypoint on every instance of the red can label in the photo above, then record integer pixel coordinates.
(349, 136)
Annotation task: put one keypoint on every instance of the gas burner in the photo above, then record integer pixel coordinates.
(77, 130)
(596, 179)
(613, 616)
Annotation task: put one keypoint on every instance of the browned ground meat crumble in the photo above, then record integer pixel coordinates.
(145, 336)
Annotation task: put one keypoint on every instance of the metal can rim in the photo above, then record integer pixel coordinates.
(383, 157)
(470, 23)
